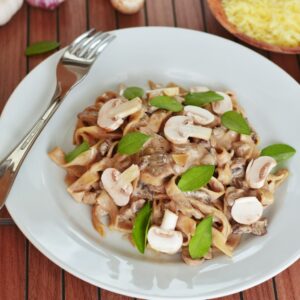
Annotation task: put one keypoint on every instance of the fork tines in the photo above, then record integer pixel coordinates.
(90, 44)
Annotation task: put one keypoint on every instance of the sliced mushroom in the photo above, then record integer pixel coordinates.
(260, 227)
(237, 167)
(265, 196)
(187, 155)
(222, 138)
(125, 218)
(104, 206)
(136, 121)
(157, 144)
(209, 159)
(199, 89)
(118, 185)
(104, 147)
(224, 174)
(223, 156)
(155, 169)
(276, 179)
(127, 6)
(258, 171)
(113, 112)
(156, 120)
(89, 198)
(246, 210)
(180, 158)
(179, 128)
(128, 212)
(199, 115)
(220, 107)
(168, 91)
(165, 238)
(201, 195)
(257, 228)
(232, 194)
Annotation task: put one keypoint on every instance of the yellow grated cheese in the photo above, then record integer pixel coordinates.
(275, 22)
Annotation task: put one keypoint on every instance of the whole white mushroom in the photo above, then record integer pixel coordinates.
(8, 8)
(127, 6)
(165, 238)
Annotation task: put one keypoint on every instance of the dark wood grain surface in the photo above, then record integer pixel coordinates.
(26, 273)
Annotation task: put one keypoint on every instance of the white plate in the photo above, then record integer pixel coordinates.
(62, 230)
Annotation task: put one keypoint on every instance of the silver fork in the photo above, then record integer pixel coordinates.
(73, 66)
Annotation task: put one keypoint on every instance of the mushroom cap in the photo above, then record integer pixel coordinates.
(112, 113)
(119, 194)
(246, 210)
(258, 171)
(166, 241)
(168, 91)
(105, 119)
(199, 89)
(221, 107)
(200, 115)
(127, 6)
(179, 128)
(172, 126)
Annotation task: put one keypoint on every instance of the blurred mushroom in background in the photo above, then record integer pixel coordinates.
(127, 6)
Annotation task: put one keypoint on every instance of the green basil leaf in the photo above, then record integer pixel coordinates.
(236, 122)
(201, 241)
(202, 98)
(166, 102)
(132, 142)
(141, 226)
(279, 152)
(41, 47)
(196, 177)
(77, 151)
(133, 92)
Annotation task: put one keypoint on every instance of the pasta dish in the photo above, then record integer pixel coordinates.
(177, 170)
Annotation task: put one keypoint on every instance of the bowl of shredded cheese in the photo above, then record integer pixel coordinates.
(272, 25)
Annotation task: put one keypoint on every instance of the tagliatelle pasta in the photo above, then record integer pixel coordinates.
(159, 164)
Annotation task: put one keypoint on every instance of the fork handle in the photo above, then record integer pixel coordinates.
(10, 165)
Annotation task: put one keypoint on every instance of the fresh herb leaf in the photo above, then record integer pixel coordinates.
(141, 226)
(202, 98)
(77, 151)
(201, 241)
(132, 142)
(236, 122)
(279, 152)
(133, 92)
(166, 102)
(196, 177)
(41, 47)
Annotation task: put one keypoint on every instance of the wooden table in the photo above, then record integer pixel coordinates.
(25, 272)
